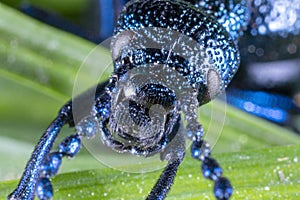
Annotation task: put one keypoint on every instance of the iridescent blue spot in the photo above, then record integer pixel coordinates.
(102, 106)
(87, 127)
(44, 190)
(104, 112)
(51, 164)
(200, 150)
(194, 131)
(211, 169)
(70, 146)
(222, 189)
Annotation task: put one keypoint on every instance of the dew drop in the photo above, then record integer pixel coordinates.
(282, 159)
(251, 49)
(11, 58)
(14, 43)
(267, 188)
(52, 45)
(295, 159)
(281, 175)
(292, 48)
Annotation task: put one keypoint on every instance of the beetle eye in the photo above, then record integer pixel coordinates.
(212, 88)
(119, 42)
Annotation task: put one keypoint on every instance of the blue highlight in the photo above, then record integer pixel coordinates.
(211, 169)
(104, 112)
(51, 164)
(44, 190)
(70, 146)
(106, 18)
(222, 189)
(200, 150)
(269, 106)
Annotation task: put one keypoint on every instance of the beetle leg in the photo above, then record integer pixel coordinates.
(174, 154)
(165, 181)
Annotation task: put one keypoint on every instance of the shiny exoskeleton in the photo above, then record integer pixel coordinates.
(169, 58)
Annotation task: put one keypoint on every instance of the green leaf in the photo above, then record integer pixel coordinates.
(271, 173)
(40, 54)
(66, 7)
(41, 59)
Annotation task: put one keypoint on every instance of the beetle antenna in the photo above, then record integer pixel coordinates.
(26, 186)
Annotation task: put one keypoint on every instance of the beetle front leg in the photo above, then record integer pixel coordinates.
(174, 154)
(165, 181)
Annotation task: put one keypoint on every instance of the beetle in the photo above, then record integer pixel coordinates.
(266, 32)
(169, 58)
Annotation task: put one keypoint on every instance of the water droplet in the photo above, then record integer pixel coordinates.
(14, 43)
(295, 159)
(282, 159)
(281, 175)
(267, 188)
(244, 157)
(292, 48)
(251, 49)
(11, 58)
(260, 52)
(52, 45)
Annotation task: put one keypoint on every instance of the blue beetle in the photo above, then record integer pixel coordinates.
(169, 58)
